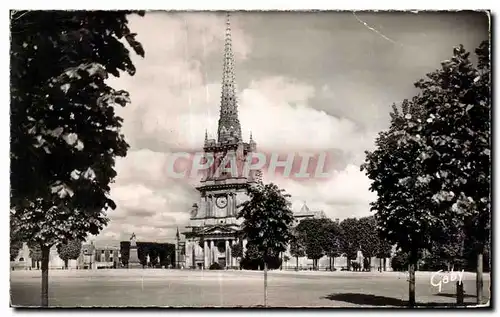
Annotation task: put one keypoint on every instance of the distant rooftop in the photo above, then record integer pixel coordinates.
(305, 212)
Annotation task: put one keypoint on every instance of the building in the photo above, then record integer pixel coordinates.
(95, 257)
(213, 227)
(306, 213)
(26, 261)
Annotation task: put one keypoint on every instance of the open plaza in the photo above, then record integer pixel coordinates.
(195, 288)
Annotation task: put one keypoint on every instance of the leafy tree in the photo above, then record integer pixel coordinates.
(400, 261)
(35, 254)
(267, 221)
(69, 251)
(237, 251)
(384, 251)
(297, 249)
(65, 134)
(254, 260)
(402, 210)
(457, 108)
(15, 247)
(369, 238)
(350, 244)
(312, 232)
(332, 247)
(431, 170)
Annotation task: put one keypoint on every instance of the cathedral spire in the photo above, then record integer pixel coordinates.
(229, 126)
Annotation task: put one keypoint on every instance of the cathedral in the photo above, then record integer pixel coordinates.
(213, 226)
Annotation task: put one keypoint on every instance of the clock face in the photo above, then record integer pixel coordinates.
(221, 202)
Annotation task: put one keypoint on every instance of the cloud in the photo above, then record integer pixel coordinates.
(176, 96)
(345, 194)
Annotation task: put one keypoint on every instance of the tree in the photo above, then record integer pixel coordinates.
(35, 254)
(457, 106)
(15, 247)
(431, 169)
(400, 261)
(403, 213)
(312, 232)
(332, 241)
(69, 251)
(384, 251)
(237, 251)
(369, 238)
(350, 239)
(65, 134)
(267, 221)
(297, 249)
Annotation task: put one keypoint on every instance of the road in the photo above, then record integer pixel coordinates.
(185, 288)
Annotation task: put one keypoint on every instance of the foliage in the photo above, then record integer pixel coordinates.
(15, 246)
(286, 258)
(65, 134)
(403, 213)
(237, 251)
(400, 261)
(313, 234)
(384, 249)
(254, 259)
(125, 252)
(431, 170)
(456, 132)
(368, 236)
(267, 219)
(350, 244)
(69, 251)
(35, 252)
(332, 242)
(297, 248)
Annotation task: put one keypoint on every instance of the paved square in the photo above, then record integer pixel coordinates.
(230, 288)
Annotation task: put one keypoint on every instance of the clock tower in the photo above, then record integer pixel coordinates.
(213, 226)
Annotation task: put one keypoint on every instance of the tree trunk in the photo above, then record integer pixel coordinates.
(380, 265)
(297, 265)
(460, 293)
(348, 264)
(479, 278)
(385, 264)
(411, 286)
(333, 262)
(369, 264)
(45, 276)
(66, 264)
(330, 264)
(265, 283)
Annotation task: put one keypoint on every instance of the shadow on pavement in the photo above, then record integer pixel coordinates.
(375, 300)
(454, 295)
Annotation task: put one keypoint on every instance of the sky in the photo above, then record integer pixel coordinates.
(322, 82)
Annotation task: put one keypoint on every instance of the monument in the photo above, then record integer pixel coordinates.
(133, 261)
(213, 226)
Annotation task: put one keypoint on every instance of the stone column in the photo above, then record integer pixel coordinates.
(229, 261)
(244, 247)
(205, 254)
(230, 205)
(235, 207)
(212, 257)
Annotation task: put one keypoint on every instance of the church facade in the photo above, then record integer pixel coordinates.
(213, 226)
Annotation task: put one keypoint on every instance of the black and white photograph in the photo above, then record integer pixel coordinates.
(254, 159)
